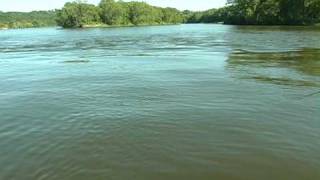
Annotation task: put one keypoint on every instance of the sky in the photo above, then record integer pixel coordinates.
(30, 5)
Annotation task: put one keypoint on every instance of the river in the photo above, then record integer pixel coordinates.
(160, 102)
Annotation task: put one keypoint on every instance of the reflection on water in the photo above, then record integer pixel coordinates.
(283, 81)
(261, 29)
(275, 67)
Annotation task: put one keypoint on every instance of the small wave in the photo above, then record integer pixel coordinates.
(76, 61)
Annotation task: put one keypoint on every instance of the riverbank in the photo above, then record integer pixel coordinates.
(97, 26)
(126, 25)
(144, 25)
(27, 27)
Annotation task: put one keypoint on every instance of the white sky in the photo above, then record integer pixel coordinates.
(30, 5)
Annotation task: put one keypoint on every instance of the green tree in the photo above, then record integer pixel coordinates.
(140, 13)
(292, 11)
(27, 19)
(312, 11)
(77, 14)
(171, 15)
(113, 13)
(267, 12)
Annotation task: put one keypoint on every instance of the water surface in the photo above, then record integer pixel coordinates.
(166, 102)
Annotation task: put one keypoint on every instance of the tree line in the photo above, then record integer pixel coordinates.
(30, 19)
(262, 12)
(111, 12)
(237, 12)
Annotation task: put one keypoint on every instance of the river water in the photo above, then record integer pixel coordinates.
(161, 102)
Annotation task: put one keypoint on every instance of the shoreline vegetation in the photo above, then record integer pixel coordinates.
(111, 13)
(15, 20)
(115, 13)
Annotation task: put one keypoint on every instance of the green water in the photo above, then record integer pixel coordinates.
(168, 102)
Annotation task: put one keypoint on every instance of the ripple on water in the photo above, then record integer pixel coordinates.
(169, 102)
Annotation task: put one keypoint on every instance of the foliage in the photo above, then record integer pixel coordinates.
(111, 12)
(80, 13)
(171, 15)
(30, 19)
(263, 12)
(77, 14)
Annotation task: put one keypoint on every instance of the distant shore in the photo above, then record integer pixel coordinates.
(88, 26)
(112, 13)
(125, 25)
(28, 27)
(97, 26)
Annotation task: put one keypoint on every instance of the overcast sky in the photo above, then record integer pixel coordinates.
(30, 5)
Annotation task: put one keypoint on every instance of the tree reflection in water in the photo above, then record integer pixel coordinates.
(295, 68)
